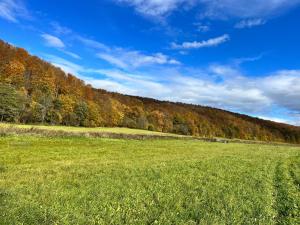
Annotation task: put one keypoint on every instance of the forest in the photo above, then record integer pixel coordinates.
(33, 91)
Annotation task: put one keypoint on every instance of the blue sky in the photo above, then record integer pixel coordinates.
(239, 55)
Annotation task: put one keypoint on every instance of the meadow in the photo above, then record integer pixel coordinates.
(84, 180)
(118, 130)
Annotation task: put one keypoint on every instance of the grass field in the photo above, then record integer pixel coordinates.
(80, 180)
(119, 130)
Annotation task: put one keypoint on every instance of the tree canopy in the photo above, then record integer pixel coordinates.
(34, 91)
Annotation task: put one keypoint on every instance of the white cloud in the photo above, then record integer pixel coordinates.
(109, 85)
(12, 10)
(119, 57)
(202, 44)
(200, 27)
(112, 60)
(281, 88)
(92, 43)
(138, 84)
(246, 8)
(133, 59)
(67, 66)
(275, 119)
(221, 95)
(225, 72)
(155, 8)
(219, 9)
(124, 58)
(72, 54)
(249, 23)
(53, 41)
(239, 61)
(60, 30)
(284, 88)
(113, 80)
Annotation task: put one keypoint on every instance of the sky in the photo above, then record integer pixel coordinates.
(237, 55)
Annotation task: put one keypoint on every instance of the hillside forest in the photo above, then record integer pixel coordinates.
(33, 91)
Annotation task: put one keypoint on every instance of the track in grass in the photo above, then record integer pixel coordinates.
(109, 181)
(287, 193)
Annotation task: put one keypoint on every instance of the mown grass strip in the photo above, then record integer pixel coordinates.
(287, 196)
(294, 170)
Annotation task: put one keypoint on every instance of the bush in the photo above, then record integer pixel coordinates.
(151, 127)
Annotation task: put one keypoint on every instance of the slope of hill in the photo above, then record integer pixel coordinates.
(34, 91)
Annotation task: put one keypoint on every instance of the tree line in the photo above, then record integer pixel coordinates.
(34, 91)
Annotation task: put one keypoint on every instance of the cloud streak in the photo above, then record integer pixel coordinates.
(134, 59)
(215, 9)
(223, 9)
(66, 65)
(249, 23)
(200, 27)
(60, 30)
(12, 10)
(53, 41)
(213, 42)
(155, 8)
(124, 58)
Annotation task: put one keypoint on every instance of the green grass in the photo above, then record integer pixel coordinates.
(110, 181)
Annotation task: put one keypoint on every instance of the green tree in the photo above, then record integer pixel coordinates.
(81, 111)
(11, 104)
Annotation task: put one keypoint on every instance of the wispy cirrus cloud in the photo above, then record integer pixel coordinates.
(112, 60)
(214, 9)
(66, 65)
(13, 10)
(222, 9)
(55, 42)
(92, 43)
(239, 61)
(201, 27)
(202, 44)
(117, 56)
(72, 54)
(126, 58)
(248, 23)
(134, 59)
(155, 8)
(112, 79)
(59, 29)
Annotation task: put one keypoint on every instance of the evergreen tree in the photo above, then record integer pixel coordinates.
(10, 103)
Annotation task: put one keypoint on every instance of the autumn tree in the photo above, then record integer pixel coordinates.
(156, 120)
(94, 115)
(12, 73)
(49, 95)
